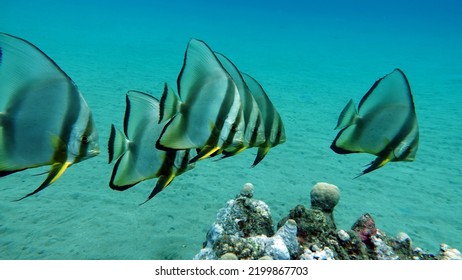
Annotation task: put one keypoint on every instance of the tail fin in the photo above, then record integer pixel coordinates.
(117, 144)
(348, 116)
(169, 104)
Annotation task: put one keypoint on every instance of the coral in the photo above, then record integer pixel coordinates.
(247, 190)
(365, 227)
(381, 249)
(241, 218)
(325, 254)
(244, 230)
(325, 197)
(448, 253)
(284, 244)
(245, 216)
(312, 224)
(343, 236)
(402, 244)
(349, 246)
(242, 248)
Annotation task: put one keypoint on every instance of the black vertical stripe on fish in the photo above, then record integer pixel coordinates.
(279, 131)
(274, 127)
(72, 113)
(214, 138)
(250, 111)
(243, 90)
(255, 132)
(83, 149)
(184, 164)
(127, 114)
(169, 104)
(233, 130)
(110, 145)
(162, 101)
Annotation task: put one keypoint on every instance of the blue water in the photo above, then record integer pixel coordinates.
(310, 57)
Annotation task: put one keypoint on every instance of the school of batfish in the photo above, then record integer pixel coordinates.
(215, 111)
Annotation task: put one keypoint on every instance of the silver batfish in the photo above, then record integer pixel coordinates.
(274, 127)
(137, 157)
(44, 120)
(254, 134)
(206, 114)
(384, 125)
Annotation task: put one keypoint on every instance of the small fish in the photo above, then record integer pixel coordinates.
(206, 114)
(254, 132)
(44, 120)
(384, 125)
(137, 158)
(274, 127)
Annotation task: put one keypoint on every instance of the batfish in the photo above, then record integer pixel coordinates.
(44, 120)
(254, 134)
(206, 114)
(384, 125)
(134, 148)
(274, 127)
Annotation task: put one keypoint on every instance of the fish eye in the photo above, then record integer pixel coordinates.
(85, 139)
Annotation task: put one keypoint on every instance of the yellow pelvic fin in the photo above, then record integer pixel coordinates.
(262, 151)
(205, 153)
(161, 184)
(376, 164)
(57, 169)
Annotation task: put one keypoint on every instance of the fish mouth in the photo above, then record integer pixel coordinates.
(94, 152)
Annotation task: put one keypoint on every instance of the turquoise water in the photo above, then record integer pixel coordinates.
(310, 57)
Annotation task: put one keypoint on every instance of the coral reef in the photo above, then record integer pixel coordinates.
(244, 230)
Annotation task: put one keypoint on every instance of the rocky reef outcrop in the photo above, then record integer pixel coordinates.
(244, 230)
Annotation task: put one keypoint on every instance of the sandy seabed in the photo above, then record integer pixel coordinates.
(310, 67)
